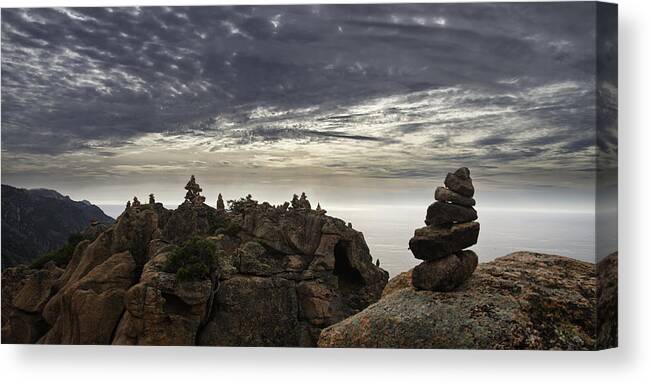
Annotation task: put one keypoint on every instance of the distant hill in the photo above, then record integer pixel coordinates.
(35, 221)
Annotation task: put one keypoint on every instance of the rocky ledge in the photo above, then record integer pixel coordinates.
(520, 301)
(276, 276)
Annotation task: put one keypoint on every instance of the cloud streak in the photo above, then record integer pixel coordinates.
(370, 91)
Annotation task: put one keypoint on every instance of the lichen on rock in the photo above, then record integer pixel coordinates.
(520, 301)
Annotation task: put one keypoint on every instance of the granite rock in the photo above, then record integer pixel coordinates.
(445, 195)
(435, 242)
(445, 274)
(445, 213)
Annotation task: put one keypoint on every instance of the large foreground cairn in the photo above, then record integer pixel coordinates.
(450, 229)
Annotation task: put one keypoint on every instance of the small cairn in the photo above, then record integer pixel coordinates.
(319, 210)
(220, 203)
(451, 227)
(193, 194)
(302, 203)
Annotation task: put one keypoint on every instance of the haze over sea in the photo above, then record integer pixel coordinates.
(388, 228)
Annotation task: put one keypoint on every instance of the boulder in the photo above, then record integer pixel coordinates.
(22, 327)
(445, 274)
(20, 286)
(435, 242)
(319, 302)
(520, 301)
(189, 220)
(460, 184)
(254, 311)
(37, 289)
(445, 195)
(303, 231)
(398, 282)
(90, 308)
(161, 310)
(445, 213)
(254, 259)
(132, 232)
(266, 231)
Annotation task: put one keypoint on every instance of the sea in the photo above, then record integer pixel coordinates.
(388, 228)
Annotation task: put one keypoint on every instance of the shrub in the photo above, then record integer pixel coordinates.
(194, 260)
(237, 206)
(222, 224)
(61, 256)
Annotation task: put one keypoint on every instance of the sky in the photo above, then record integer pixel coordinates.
(354, 104)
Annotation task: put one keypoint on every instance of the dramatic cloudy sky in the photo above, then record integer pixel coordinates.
(347, 102)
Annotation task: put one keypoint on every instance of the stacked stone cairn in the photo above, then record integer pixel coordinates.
(451, 227)
(193, 195)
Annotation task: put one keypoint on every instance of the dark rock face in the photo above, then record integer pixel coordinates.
(24, 293)
(431, 243)
(282, 275)
(445, 274)
(86, 311)
(444, 195)
(161, 310)
(607, 313)
(463, 173)
(36, 221)
(290, 274)
(520, 301)
(189, 220)
(444, 213)
(460, 184)
(254, 311)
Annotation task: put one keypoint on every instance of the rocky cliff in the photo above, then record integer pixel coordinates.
(520, 301)
(280, 275)
(35, 221)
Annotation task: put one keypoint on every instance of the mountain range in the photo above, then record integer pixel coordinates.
(35, 221)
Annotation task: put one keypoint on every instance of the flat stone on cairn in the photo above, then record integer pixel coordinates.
(451, 227)
(435, 242)
(445, 274)
(445, 195)
(445, 213)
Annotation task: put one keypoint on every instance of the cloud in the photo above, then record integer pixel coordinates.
(385, 91)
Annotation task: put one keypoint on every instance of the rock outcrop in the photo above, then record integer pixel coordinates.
(24, 294)
(450, 228)
(281, 275)
(520, 301)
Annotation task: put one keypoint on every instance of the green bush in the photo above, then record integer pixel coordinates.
(61, 256)
(220, 223)
(237, 206)
(194, 260)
